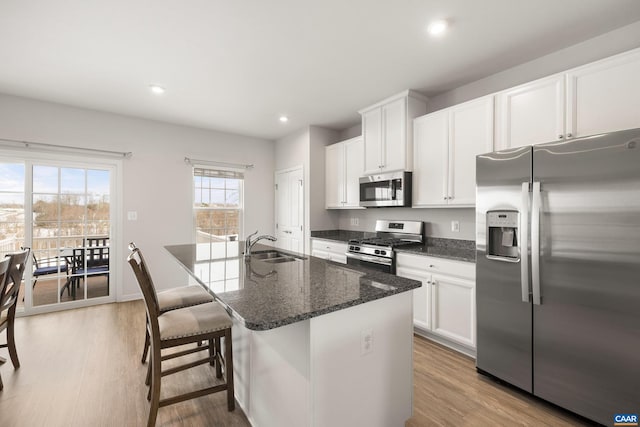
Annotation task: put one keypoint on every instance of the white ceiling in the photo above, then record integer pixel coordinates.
(237, 65)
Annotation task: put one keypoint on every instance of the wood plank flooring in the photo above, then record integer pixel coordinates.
(82, 368)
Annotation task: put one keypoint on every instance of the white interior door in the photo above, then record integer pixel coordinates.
(290, 210)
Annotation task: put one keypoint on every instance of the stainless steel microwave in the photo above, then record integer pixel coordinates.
(389, 189)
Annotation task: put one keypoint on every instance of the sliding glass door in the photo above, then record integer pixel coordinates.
(63, 213)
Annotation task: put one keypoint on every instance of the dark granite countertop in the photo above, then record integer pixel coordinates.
(265, 295)
(461, 250)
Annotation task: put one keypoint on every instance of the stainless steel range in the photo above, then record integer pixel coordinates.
(378, 252)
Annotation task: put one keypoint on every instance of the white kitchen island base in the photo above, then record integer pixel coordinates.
(318, 372)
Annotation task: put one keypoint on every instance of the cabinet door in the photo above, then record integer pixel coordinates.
(372, 133)
(453, 304)
(354, 165)
(531, 114)
(604, 96)
(394, 141)
(470, 134)
(334, 176)
(421, 296)
(430, 159)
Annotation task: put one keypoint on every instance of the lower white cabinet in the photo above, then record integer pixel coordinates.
(445, 305)
(329, 250)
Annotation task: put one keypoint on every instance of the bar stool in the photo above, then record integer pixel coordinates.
(204, 322)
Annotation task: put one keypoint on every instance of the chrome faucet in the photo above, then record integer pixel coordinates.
(248, 243)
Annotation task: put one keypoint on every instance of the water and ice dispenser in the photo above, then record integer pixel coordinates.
(502, 235)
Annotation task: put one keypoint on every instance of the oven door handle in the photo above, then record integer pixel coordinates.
(369, 258)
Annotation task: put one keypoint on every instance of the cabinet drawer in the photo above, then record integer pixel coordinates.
(328, 246)
(462, 269)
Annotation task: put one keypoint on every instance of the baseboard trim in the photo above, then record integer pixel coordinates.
(445, 342)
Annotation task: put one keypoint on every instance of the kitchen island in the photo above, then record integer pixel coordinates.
(315, 343)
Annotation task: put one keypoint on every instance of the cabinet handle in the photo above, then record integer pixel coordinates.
(445, 197)
(431, 265)
(560, 136)
(569, 135)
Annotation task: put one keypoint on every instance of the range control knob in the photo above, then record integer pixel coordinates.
(356, 248)
(377, 252)
(383, 252)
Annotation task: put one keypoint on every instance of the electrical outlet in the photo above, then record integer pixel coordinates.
(366, 341)
(455, 226)
(354, 221)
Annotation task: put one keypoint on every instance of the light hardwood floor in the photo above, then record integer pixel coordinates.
(82, 368)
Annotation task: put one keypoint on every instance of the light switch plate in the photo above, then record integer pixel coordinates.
(455, 226)
(366, 341)
(132, 216)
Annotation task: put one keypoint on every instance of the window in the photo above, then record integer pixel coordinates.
(217, 205)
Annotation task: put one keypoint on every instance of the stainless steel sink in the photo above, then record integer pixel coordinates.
(274, 257)
(279, 260)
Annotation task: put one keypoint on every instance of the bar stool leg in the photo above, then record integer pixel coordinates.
(228, 367)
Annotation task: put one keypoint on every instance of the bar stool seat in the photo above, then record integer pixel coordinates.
(196, 320)
(186, 296)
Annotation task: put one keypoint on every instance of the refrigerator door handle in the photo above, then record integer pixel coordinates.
(536, 202)
(524, 242)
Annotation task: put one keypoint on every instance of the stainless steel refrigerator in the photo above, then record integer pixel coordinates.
(558, 271)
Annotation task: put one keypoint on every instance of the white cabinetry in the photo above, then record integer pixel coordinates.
(600, 97)
(604, 96)
(329, 250)
(446, 144)
(531, 114)
(344, 165)
(445, 304)
(386, 127)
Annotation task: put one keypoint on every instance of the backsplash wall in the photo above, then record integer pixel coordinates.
(437, 221)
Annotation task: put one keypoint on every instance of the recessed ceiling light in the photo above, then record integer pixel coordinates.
(284, 119)
(437, 28)
(158, 90)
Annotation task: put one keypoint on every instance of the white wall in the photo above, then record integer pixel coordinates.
(306, 147)
(437, 221)
(157, 182)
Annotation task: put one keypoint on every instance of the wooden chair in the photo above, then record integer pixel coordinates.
(13, 266)
(205, 322)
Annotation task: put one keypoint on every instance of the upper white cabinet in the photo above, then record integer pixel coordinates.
(531, 114)
(446, 144)
(600, 97)
(386, 128)
(604, 96)
(344, 165)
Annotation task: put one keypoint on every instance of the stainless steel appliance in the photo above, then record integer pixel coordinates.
(377, 252)
(558, 271)
(389, 189)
